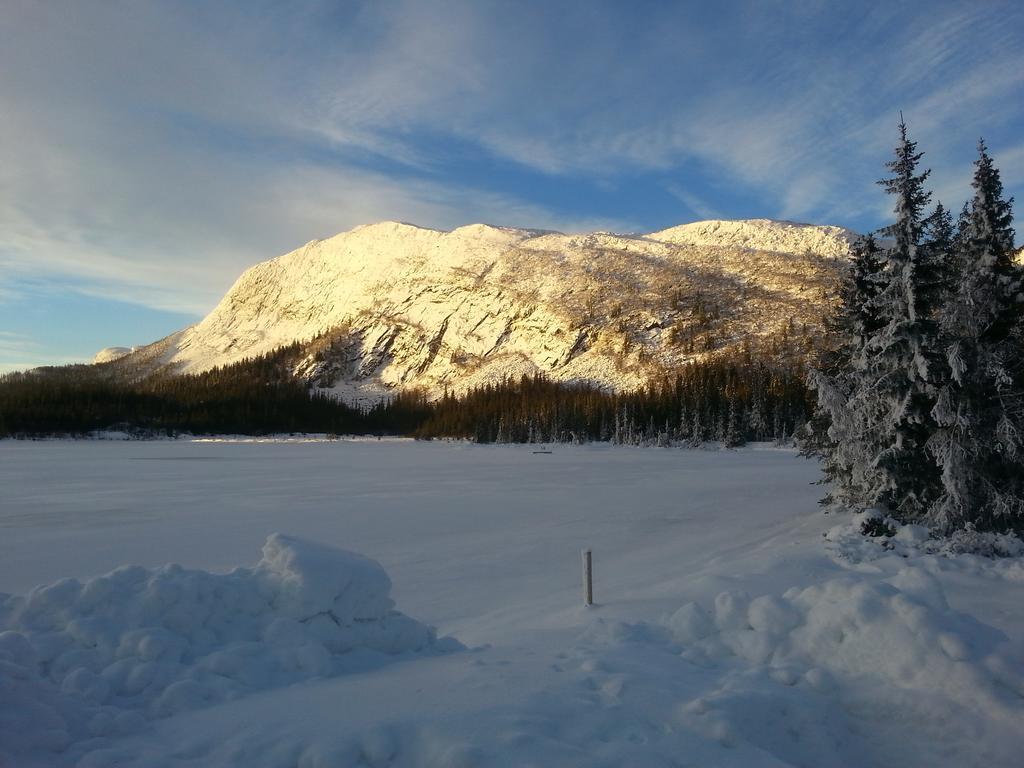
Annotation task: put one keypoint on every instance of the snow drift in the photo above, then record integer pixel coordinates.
(737, 626)
(81, 661)
(801, 678)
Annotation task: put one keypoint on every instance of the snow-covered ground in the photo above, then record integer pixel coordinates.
(728, 630)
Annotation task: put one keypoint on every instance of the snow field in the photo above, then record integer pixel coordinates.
(735, 624)
(845, 673)
(94, 660)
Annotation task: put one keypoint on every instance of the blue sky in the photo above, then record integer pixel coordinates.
(149, 152)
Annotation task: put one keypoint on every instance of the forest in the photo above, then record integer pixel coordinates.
(725, 399)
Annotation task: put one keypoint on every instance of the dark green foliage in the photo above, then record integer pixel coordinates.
(252, 397)
(876, 527)
(743, 397)
(937, 263)
(728, 400)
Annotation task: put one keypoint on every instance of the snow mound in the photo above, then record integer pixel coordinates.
(900, 631)
(854, 671)
(84, 662)
(891, 649)
(860, 669)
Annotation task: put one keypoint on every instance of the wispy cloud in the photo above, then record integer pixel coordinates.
(37, 360)
(13, 343)
(239, 133)
(19, 352)
(1011, 161)
(791, 103)
(692, 201)
(158, 183)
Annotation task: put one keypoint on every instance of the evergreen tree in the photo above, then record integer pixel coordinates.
(978, 443)
(697, 430)
(838, 432)
(733, 430)
(755, 418)
(898, 392)
(937, 270)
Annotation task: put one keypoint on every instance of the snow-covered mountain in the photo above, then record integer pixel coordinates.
(394, 305)
(110, 354)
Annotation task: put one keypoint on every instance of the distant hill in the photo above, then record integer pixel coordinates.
(391, 306)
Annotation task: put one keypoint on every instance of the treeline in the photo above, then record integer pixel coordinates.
(731, 401)
(256, 396)
(728, 401)
(920, 403)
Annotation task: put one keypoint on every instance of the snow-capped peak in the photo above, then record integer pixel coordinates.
(763, 235)
(109, 354)
(405, 305)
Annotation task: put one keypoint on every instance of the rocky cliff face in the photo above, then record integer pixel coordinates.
(393, 305)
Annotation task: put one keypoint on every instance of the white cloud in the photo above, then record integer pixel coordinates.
(692, 201)
(187, 262)
(1010, 161)
(19, 352)
(158, 182)
(10, 366)
(13, 342)
(227, 138)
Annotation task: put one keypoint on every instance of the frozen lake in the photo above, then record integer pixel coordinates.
(462, 529)
(726, 630)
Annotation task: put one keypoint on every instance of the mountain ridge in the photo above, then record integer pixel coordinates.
(392, 305)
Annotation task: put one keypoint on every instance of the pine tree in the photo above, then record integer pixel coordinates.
(979, 443)
(899, 392)
(838, 433)
(756, 420)
(697, 432)
(733, 436)
(685, 424)
(937, 270)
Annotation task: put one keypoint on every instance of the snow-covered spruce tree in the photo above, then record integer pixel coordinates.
(979, 443)
(697, 431)
(900, 372)
(938, 270)
(733, 437)
(876, 387)
(836, 433)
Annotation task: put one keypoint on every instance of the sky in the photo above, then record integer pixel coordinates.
(151, 151)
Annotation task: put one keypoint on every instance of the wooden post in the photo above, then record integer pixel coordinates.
(588, 578)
